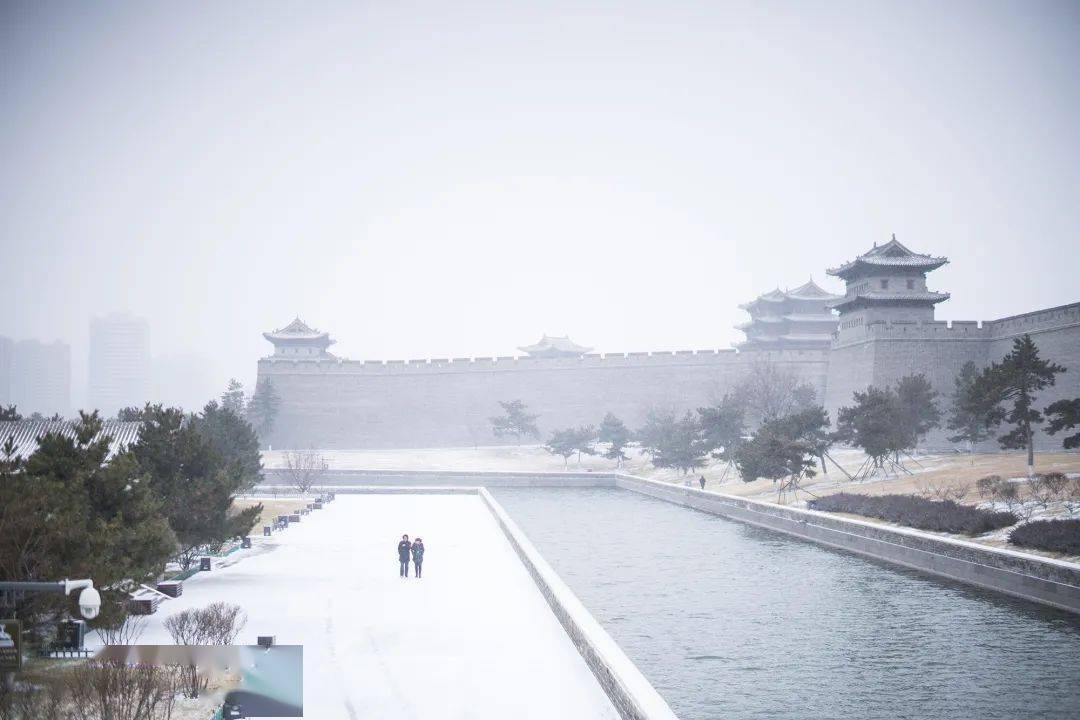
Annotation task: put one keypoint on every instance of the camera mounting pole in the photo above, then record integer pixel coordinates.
(89, 599)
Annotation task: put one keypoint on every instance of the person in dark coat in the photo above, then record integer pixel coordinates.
(702, 481)
(418, 555)
(403, 549)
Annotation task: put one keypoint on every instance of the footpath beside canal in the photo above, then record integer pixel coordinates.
(473, 638)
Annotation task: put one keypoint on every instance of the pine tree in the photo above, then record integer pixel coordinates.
(1065, 415)
(263, 408)
(196, 484)
(971, 415)
(233, 439)
(562, 443)
(680, 444)
(871, 424)
(70, 510)
(130, 414)
(785, 448)
(584, 441)
(653, 435)
(517, 422)
(722, 427)
(919, 413)
(10, 413)
(233, 398)
(614, 433)
(1018, 377)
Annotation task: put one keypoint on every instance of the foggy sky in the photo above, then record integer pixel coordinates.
(454, 179)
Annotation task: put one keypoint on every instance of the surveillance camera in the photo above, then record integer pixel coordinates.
(89, 603)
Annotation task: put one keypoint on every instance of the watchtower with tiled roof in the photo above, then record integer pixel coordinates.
(799, 318)
(887, 284)
(555, 346)
(298, 341)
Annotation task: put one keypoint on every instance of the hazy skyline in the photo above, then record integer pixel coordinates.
(431, 180)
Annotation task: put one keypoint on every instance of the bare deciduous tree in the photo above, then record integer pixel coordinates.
(768, 391)
(117, 691)
(933, 490)
(41, 701)
(1072, 495)
(997, 489)
(1049, 487)
(126, 630)
(305, 468)
(216, 624)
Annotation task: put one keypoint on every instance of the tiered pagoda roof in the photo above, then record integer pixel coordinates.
(774, 297)
(892, 254)
(790, 318)
(298, 336)
(554, 346)
(868, 276)
(296, 330)
(810, 291)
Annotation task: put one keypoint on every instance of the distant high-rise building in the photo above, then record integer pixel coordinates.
(41, 377)
(7, 349)
(119, 363)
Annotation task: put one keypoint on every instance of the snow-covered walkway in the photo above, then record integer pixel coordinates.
(472, 639)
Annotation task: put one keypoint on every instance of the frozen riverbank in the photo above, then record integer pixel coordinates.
(472, 639)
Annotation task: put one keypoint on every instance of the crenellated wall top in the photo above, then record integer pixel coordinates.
(1034, 322)
(719, 358)
(1049, 319)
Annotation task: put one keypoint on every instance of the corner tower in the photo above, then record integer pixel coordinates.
(551, 346)
(297, 341)
(887, 284)
(795, 319)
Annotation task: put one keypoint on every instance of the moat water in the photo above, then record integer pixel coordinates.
(731, 621)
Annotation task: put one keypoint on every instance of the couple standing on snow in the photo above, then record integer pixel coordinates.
(416, 549)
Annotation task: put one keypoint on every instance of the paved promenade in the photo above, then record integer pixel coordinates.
(472, 639)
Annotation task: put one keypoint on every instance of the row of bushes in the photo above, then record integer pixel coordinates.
(96, 690)
(1054, 535)
(917, 512)
(1042, 489)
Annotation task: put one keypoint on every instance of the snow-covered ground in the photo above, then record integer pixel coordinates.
(472, 639)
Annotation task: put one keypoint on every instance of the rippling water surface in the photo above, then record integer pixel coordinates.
(729, 621)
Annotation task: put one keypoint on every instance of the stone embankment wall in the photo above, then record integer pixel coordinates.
(632, 695)
(1022, 575)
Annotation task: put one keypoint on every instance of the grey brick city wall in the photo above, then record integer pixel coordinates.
(445, 403)
(448, 402)
(938, 350)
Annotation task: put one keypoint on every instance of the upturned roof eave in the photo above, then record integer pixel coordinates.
(931, 297)
(845, 271)
(289, 338)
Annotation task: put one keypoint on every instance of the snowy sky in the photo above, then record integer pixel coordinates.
(453, 179)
